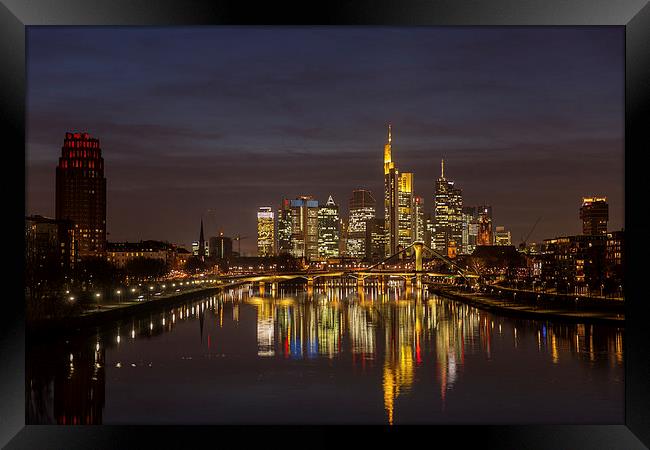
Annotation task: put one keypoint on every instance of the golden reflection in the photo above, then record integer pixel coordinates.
(405, 334)
(554, 352)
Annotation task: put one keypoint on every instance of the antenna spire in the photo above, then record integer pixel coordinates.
(442, 169)
(389, 134)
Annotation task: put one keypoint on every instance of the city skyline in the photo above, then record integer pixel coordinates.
(335, 158)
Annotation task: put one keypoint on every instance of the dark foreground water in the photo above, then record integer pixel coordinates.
(335, 357)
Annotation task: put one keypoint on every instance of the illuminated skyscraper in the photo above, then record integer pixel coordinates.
(362, 208)
(398, 202)
(419, 223)
(594, 214)
(304, 227)
(265, 231)
(391, 183)
(470, 229)
(81, 192)
(328, 229)
(429, 230)
(448, 215)
(405, 208)
(284, 228)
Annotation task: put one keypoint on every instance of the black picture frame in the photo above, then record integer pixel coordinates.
(634, 15)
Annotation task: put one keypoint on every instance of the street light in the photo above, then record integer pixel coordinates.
(97, 295)
(119, 295)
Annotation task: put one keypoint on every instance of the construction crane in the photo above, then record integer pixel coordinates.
(238, 238)
(524, 241)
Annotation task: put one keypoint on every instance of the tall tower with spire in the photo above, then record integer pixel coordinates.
(398, 202)
(391, 196)
(201, 243)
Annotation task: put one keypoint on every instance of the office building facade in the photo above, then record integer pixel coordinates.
(328, 229)
(594, 214)
(447, 215)
(265, 231)
(81, 192)
(362, 209)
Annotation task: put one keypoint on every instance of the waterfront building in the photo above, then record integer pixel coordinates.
(614, 258)
(120, 253)
(574, 264)
(284, 228)
(49, 244)
(304, 227)
(362, 209)
(448, 214)
(81, 192)
(502, 236)
(594, 214)
(265, 231)
(328, 229)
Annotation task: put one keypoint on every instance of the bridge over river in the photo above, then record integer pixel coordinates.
(377, 272)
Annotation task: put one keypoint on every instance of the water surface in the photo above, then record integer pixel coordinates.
(335, 357)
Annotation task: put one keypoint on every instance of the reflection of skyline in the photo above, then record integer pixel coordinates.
(404, 343)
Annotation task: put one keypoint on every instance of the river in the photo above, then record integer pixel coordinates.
(335, 357)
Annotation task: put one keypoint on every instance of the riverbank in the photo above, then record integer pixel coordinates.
(542, 311)
(116, 311)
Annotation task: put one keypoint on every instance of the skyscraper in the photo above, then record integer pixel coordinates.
(375, 240)
(81, 192)
(398, 202)
(594, 214)
(447, 215)
(405, 209)
(328, 229)
(304, 227)
(362, 208)
(265, 231)
(419, 223)
(220, 247)
(470, 229)
(284, 227)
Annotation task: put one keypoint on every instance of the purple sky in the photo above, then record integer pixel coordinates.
(216, 121)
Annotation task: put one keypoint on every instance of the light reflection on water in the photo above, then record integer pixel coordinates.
(420, 358)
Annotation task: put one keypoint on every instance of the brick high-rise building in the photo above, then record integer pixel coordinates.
(81, 192)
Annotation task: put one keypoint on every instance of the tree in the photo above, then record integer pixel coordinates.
(194, 264)
(146, 268)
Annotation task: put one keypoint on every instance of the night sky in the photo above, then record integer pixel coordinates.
(217, 121)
